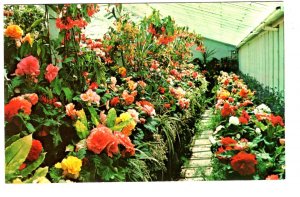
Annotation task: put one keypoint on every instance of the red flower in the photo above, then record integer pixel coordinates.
(22, 166)
(227, 110)
(244, 92)
(28, 66)
(151, 29)
(165, 39)
(276, 120)
(51, 72)
(230, 99)
(167, 105)
(244, 163)
(244, 118)
(195, 75)
(32, 98)
(226, 82)
(99, 139)
(35, 150)
(114, 101)
(272, 177)
(161, 90)
(93, 86)
(15, 104)
(228, 141)
(126, 142)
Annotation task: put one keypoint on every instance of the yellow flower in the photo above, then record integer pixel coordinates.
(13, 31)
(28, 39)
(71, 166)
(17, 181)
(82, 116)
(82, 130)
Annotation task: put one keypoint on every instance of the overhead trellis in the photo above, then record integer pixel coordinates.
(228, 22)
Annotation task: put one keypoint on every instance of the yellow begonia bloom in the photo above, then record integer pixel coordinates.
(57, 165)
(13, 31)
(17, 181)
(71, 166)
(82, 116)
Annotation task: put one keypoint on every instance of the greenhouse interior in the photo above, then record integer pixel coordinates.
(144, 92)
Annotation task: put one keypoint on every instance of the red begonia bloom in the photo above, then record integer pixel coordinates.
(35, 150)
(228, 141)
(227, 110)
(244, 92)
(114, 101)
(244, 163)
(276, 120)
(244, 118)
(15, 105)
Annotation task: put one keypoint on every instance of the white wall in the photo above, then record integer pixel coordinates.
(263, 57)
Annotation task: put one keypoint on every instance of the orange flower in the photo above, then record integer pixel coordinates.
(70, 110)
(13, 31)
(28, 39)
(128, 129)
(15, 104)
(129, 98)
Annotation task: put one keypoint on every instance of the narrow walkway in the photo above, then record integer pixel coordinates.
(199, 164)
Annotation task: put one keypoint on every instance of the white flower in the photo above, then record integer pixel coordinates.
(257, 131)
(238, 136)
(262, 108)
(212, 139)
(219, 128)
(234, 120)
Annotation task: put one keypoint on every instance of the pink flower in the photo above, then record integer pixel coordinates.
(134, 114)
(90, 96)
(28, 66)
(51, 72)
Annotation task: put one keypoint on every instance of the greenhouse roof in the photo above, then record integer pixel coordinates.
(228, 22)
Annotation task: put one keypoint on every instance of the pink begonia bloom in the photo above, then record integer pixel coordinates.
(70, 110)
(102, 117)
(91, 97)
(149, 110)
(134, 114)
(51, 72)
(113, 84)
(28, 66)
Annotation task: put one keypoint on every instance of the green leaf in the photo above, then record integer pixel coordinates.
(111, 117)
(94, 116)
(16, 81)
(35, 23)
(69, 59)
(31, 167)
(12, 139)
(55, 174)
(120, 126)
(40, 172)
(69, 94)
(30, 127)
(56, 84)
(16, 154)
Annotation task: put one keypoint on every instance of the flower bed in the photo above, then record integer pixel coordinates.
(110, 109)
(248, 139)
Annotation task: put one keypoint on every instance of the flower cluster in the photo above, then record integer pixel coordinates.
(251, 134)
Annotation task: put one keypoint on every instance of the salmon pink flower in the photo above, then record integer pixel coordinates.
(272, 177)
(28, 66)
(51, 72)
(70, 110)
(91, 97)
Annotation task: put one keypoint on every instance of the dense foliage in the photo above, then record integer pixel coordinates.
(117, 108)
